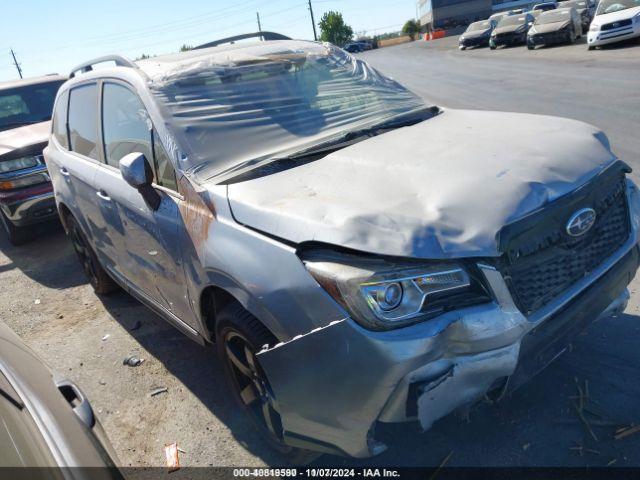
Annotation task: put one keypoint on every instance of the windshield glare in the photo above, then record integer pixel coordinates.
(610, 6)
(482, 25)
(29, 104)
(244, 106)
(554, 16)
(512, 20)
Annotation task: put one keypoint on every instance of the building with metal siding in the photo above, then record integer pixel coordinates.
(451, 14)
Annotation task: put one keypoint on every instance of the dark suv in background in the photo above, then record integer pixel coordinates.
(26, 194)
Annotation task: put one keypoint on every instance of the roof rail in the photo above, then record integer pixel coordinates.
(119, 60)
(264, 35)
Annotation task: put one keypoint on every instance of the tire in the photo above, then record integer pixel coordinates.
(99, 279)
(239, 335)
(492, 47)
(591, 48)
(16, 235)
(531, 46)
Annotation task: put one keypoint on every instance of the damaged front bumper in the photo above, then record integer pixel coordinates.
(333, 384)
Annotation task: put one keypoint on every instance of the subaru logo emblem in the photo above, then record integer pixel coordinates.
(581, 222)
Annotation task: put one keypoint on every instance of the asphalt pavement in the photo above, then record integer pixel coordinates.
(601, 87)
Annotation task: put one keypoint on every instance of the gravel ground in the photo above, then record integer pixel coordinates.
(47, 301)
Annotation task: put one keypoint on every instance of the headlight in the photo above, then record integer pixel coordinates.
(26, 181)
(381, 295)
(636, 19)
(520, 29)
(594, 27)
(19, 163)
(532, 30)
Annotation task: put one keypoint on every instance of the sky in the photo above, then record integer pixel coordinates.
(52, 36)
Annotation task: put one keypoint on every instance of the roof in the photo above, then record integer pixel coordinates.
(166, 67)
(31, 81)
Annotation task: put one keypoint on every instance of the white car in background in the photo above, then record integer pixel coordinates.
(615, 20)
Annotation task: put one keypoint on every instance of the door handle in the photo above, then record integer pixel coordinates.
(103, 195)
(64, 171)
(76, 399)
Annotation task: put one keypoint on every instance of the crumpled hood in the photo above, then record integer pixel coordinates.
(549, 27)
(442, 188)
(26, 136)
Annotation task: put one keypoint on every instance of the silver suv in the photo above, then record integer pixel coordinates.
(357, 256)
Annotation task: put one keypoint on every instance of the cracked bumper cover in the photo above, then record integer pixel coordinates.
(334, 383)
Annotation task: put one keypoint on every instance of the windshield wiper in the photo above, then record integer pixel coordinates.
(350, 137)
(353, 136)
(19, 124)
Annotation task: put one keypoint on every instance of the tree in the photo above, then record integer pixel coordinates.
(185, 47)
(144, 56)
(334, 30)
(411, 28)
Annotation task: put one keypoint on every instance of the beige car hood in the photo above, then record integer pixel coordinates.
(26, 136)
(551, 27)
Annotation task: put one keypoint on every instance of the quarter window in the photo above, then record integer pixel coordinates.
(164, 172)
(83, 120)
(125, 124)
(60, 120)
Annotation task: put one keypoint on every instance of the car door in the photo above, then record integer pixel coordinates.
(73, 159)
(151, 259)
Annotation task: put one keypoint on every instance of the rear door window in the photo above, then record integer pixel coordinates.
(126, 127)
(83, 120)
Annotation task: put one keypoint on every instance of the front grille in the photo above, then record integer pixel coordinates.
(507, 37)
(545, 264)
(550, 37)
(618, 24)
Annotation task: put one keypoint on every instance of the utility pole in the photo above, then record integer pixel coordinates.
(313, 22)
(259, 27)
(16, 63)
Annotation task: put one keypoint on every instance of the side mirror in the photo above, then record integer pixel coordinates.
(137, 172)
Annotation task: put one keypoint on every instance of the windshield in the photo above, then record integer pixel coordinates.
(512, 20)
(29, 104)
(475, 26)
(610, 6)
(240, 107)
(554, 16)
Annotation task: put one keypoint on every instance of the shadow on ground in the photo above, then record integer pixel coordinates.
(34, 258)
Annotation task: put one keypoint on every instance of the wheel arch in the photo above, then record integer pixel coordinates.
(214, 297)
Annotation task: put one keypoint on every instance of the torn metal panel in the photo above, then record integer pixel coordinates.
(469, 379)
(197, 212)
(440, 189)
(333, 383)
